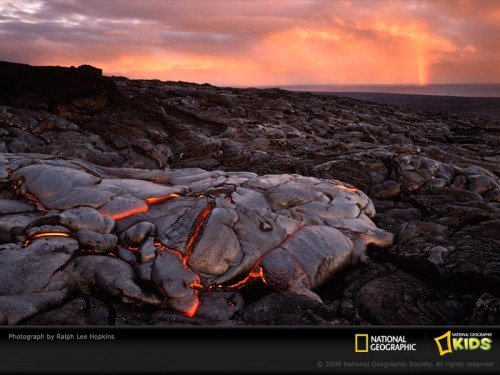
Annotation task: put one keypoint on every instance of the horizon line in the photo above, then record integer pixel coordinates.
(271, 85)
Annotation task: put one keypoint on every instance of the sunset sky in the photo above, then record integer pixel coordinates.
(252, 43)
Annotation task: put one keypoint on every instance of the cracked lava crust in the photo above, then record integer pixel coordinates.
(194, 231)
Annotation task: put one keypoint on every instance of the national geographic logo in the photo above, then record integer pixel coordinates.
(450, 342)
(363, 343)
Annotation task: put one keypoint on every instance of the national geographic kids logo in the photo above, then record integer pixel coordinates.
(363, 343)
(451, 342)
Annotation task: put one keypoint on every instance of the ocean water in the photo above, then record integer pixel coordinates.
(467, 90)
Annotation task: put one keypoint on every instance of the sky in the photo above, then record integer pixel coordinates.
(255, 43)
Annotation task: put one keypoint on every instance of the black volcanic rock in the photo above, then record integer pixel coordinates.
(384, 298)
(49, 83)
(289, 309)
(79, 311)
(486, 311)
(61, 90)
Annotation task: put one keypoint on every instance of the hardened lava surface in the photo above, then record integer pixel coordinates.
(181, 232)
(144, 202)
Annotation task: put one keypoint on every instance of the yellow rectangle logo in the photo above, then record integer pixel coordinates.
(361, 343)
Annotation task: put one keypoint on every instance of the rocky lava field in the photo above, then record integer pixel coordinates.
(141, 202)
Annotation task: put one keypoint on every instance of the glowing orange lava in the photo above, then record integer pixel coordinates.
(45, 234)
(256, 273)
(195, 233)
(123, 215)
(353, 190)
(197, 285)
(141, 210)
(35, 202)
(29, 197)
(194, 308)
(154, 200)
(163, 247)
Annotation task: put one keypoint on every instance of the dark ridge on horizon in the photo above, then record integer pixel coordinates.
(490, 90)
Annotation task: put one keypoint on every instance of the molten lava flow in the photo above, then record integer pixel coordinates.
(192, 311)
(45, 234)
(198, 227)
(352, 190)
(256, 273)
(154, 200)
(132, 212)
(163, 247)
(197, 286)
(35, 202)
(29, 197)
(141, 210)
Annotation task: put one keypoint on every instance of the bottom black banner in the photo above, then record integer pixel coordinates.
(250, 349)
